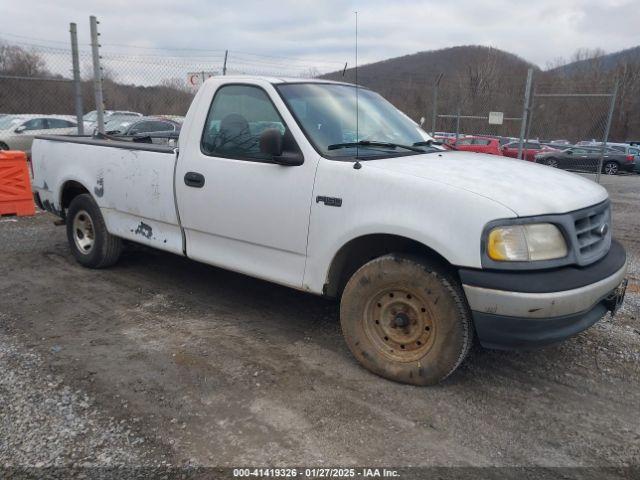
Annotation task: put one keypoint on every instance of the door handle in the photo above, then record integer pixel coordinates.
(194, 179)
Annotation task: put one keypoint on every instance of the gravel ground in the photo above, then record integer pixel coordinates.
(163, 361)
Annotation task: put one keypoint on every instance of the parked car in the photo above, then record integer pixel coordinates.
(479, 145)
(529, 150)
(131, 126)
(17, 132)
(586, 159)
(423, 257)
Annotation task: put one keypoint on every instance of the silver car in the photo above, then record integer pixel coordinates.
(18, 131)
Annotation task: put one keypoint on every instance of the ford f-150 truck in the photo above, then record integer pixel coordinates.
(328, 188)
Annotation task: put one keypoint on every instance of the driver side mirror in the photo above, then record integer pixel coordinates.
(271, 143)
(20, 129)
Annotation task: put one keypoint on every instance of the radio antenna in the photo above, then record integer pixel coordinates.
(357, 105)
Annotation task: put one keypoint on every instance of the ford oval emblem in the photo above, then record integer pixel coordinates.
(603, 229)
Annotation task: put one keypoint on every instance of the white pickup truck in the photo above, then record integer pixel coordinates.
(289, 181)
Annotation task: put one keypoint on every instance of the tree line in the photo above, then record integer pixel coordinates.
(474, 81)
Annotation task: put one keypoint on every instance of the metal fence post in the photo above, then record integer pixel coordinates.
(530, 116)
(434, 117)
(612, 107)
(224, 65)
(97, 72)
(525, 111)
(458, 124)
(77, 85)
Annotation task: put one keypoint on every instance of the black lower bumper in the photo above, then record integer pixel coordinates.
(510, 333)
(494, 296)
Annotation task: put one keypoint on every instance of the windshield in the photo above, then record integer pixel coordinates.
(9, 122)
(327, 114)
(92, 116)
(119, 123)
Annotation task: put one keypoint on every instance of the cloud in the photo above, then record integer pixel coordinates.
(321, 34)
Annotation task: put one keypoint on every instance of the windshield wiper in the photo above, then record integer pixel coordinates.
(373, 143)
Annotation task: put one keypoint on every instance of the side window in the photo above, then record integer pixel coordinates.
(237, 117)
(35, 124)
(464, 141)
(59, 123)
(481, 141)
(634, 151)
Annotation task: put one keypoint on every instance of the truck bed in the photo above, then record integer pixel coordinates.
(132, 183)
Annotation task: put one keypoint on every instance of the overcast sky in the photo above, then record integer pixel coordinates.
(538, 30)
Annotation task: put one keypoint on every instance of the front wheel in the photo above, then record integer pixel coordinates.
(611, 168)
(552, 162)
(406, 319)
(91, 244)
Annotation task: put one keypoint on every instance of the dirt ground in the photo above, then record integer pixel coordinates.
(164, 361)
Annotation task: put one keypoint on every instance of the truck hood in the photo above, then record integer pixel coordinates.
(524, 187)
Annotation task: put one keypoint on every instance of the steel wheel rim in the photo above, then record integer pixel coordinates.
(83, 232)
(552, 163)
(611, 169)
(384, 320)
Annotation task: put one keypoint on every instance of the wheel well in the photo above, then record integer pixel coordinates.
(71, 190)
(361, 250)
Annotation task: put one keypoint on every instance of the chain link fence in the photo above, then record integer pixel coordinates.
(561, 122)
(38, 79)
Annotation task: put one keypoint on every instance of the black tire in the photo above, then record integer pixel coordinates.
(4, 146)
(90, 242)
(551, 162)
(611, 168)
(406, 319)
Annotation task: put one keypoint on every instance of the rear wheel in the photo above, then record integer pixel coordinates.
(611, 168)
(91, 244)
(406, 319)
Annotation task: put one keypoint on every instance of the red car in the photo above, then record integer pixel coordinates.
(529, 150)
(479, 145)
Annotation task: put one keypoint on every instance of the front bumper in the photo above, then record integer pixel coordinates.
(527, 309)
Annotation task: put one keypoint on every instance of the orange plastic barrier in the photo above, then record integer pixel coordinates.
(15, 186)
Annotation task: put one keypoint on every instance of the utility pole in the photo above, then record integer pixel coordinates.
(607, 129)
(224, 65)
(434, 117)
(97, 72)
(525, 111)
(77, 85)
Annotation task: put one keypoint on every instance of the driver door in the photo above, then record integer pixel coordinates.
(239, 209)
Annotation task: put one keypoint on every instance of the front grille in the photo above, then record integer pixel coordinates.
(592, 233)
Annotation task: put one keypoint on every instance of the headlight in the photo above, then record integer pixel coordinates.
(522, 243)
